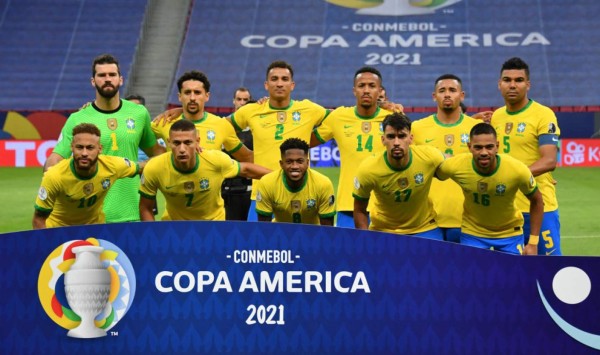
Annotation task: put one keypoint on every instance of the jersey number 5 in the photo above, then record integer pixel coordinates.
(506, 144)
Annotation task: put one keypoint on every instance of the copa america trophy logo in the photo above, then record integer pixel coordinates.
(86, 286)
(394, 7)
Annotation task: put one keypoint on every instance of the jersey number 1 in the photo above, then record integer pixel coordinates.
(113, 138)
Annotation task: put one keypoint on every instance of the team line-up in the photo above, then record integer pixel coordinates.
(484, 182)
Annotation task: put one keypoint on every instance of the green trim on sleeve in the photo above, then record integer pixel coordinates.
(238, 147)
(263, 213)
(150, 197)
(235, 125)
(327, 215)
(318, 135)
(532, 192)
(42, 209)
(360, 198)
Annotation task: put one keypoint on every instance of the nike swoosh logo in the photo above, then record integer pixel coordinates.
(554, 139)
(429, 140)
(550, 252)
(347, 126)
(170, 187)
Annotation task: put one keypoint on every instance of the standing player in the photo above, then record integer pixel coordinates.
(236, 191)
(190, 182)
(357, 131)
(73, 192)
(214, 132)
(447, 130)
(529, 132)
(295, 193)
(490, 183)
(276, 119)
(124, 125)
(400, 179)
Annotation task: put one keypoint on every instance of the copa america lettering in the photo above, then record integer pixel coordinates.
(262, 281)
(294, 281)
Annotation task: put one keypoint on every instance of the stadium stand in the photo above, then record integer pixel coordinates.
(326, 43)
(47, 48)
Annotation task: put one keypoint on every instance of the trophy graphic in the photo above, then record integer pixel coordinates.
(87, 287)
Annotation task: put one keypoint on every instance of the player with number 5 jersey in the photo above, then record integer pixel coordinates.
(528, 131)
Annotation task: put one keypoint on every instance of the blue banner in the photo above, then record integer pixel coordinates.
(410, 42)
(213, 287)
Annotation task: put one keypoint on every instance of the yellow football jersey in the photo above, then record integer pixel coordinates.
(489, 207)
(519, 135)
(357, 137)
(402, 205)
(271, 126)
(190, 195)
(450, 139)
(74, 200)
(306, 204)
(215, 133)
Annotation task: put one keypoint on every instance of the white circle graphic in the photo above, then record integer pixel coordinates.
(571, 285)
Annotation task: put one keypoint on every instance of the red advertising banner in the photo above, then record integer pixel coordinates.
(25, 153)
(580, 152)
(33, 153)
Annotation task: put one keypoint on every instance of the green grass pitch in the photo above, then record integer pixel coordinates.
(578, 197)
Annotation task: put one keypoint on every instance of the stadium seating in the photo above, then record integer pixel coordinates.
(558, 40)
(48, 46)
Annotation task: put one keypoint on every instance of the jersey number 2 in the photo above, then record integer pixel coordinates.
(279, 131)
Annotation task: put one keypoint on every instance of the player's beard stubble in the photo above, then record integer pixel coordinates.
(108, 91)
(87, 166)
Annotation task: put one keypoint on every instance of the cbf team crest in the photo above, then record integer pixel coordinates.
(86, 286)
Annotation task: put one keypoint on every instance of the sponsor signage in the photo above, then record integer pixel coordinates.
(25, 153)
(208, 287)
(580, 152)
